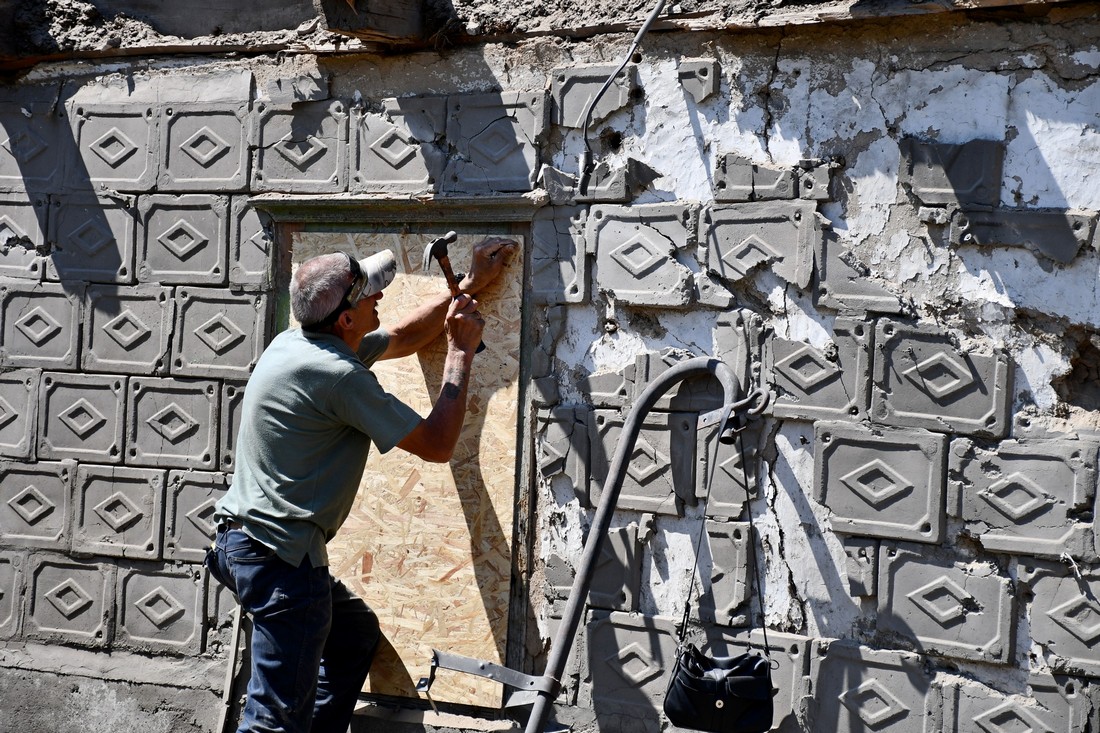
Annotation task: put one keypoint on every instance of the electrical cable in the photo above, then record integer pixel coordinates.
(585, 166)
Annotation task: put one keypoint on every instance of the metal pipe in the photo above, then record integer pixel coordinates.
(601, 522)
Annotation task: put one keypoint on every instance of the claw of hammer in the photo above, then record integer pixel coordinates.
(437, 249)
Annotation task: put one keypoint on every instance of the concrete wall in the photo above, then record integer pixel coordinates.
(891, 224)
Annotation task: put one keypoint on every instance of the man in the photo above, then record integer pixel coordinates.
(311, 413)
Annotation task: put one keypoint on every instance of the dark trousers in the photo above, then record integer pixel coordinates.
(312, 639)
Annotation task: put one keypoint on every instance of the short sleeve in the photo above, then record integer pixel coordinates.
(373, 345)
(359, 401)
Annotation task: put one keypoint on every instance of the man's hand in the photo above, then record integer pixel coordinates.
(489, 258)
(464, 324)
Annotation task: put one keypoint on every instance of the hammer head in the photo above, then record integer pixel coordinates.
(437, 248)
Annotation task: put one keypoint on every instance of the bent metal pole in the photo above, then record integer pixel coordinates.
(563, 640)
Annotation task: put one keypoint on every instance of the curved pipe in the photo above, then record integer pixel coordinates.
(601, 522)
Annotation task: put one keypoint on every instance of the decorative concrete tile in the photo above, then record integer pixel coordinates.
(696, 394)
(572, 90)
(846, 288)
(189, 517)
(495, 139)
(738, 342)
(922, 381)
(218, 333)
(628, 659)
(69, 602)
(636, 252)
(82, 417)
(737, 178)
(881, 483)
(1053, 233)
(40, 324)
(660, 465)
(117, 143)
(549, 328)
(19, 412)
(858, 689)
(159, 609)
(205, 146)
(1028, 497)
(1055, 704)
(790, 655)
(11, 566)
(814, 179)
(34, 139)
(182, 239)
(726, 472)
(823, 384)
(118, 511)
(561, 445)
(23, 228)
(172, 423)
(698, 77)
(736, 240)
(609, 389)
(397, 149)
(617, 577)
(727, 591)
(1062, 615)
(91, 238)
(945, 604)
(941, 173)
(302, 149)
(127, 330)
(862, 566)
(559, 263)
(232, 397)
(251, 246)
(34, 504)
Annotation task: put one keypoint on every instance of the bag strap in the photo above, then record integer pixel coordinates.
(751, 539)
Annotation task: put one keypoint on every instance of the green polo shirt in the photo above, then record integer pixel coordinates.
(311, 411)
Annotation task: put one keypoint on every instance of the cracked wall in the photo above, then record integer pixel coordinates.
(890, 225)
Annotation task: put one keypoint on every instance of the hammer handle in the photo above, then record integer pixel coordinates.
(449, 274)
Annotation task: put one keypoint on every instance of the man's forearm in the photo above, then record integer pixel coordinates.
(435, 438)
(419, 328)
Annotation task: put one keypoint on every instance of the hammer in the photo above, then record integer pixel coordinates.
(437, 249)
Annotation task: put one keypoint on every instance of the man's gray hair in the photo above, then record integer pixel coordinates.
(318, 287)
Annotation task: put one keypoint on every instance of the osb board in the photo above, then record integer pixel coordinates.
(428, 546)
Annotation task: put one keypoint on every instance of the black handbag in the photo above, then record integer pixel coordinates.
(721, 694)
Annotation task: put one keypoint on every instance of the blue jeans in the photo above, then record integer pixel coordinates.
(312, 639)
